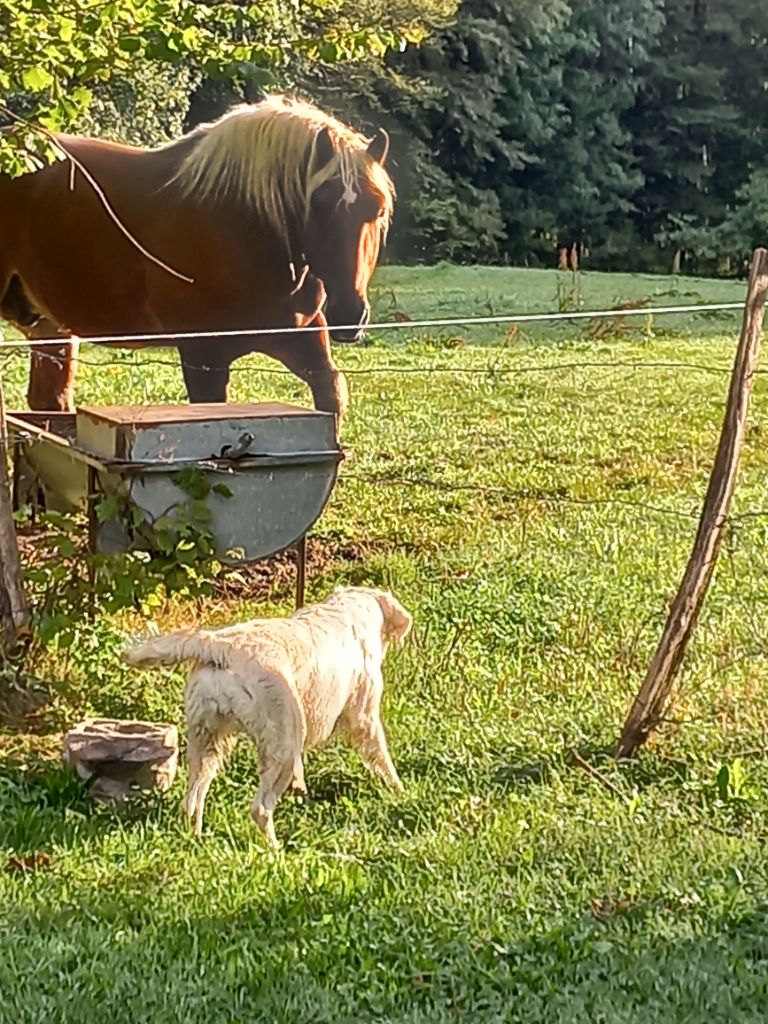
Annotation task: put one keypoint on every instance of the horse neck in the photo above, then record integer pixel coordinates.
(280, 242)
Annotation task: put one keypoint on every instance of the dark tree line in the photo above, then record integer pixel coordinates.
(636, 129)
(633, 130)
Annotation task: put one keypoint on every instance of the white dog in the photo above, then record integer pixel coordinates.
(290, 684)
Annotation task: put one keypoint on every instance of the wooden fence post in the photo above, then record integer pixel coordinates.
(13, 603)
(649, 705)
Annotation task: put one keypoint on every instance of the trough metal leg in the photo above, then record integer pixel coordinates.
(90, 608)
(301, 571)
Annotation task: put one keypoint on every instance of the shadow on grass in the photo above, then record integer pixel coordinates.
(371, 955)
(44, 804)
(595, 763)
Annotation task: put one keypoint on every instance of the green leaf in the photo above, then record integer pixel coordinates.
(165, 541)
(81, 97)
(193, 482)
(222, 490)
(200, 511)
(190, 36)
(186, 556)
(67, 29)
(261, 77)
(36, 79)
(329, 51)
(723, 782)
(130, 44)
(107, 509)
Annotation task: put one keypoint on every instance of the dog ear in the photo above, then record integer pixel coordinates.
(397, 621)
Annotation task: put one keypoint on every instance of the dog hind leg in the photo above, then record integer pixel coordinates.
(297, 782)
(276, 776)
(278, 728)
(206, 751)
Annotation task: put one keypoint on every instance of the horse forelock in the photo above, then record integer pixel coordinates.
(264, 155)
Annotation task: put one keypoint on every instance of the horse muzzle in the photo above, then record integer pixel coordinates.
(346, 334)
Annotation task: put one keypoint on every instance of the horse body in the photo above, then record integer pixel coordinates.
(222, 235)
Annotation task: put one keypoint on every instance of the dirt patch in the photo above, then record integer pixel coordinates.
(275, 577)
(22, 699)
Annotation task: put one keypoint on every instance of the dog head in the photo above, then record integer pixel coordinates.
(397, 621)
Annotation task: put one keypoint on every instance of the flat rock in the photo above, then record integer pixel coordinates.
(122, 758)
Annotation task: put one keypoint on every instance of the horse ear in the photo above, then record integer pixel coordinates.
(324, 151)
(378, 147)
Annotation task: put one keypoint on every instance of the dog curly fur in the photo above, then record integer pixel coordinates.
(290, 684)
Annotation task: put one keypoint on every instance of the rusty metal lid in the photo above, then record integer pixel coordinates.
(159, 415)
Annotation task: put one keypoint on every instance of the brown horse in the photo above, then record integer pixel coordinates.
(208, 233)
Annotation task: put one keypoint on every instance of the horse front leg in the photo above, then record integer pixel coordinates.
(52, 370)
(206, 376)
(308, 355)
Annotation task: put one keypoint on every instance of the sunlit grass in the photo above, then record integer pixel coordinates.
(534, 505)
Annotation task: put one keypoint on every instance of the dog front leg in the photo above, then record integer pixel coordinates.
(375, 756)
(367, 736)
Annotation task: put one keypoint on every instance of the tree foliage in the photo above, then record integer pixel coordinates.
(57, 55)
(700, 123)
(635, 127)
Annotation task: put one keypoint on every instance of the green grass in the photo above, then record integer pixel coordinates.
(448, 292)
(533, 503)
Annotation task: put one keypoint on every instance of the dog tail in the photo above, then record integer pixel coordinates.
(183, 645)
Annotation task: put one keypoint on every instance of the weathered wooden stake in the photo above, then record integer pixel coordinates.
(650, 703)
(13, 603)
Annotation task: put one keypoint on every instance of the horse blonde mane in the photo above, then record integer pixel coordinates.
(265, 155)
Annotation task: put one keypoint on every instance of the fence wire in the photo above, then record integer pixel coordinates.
(130, 362)
(172, 338)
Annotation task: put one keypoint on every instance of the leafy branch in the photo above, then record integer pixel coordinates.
(53, 54)
(170, 554)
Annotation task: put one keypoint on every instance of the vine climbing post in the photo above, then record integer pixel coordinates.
(649, 705)
(13, 603)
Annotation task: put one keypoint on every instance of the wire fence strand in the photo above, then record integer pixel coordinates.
(524, 495)
(173, 338)
(493, 368)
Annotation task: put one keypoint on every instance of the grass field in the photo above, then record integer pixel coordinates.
(532, 498)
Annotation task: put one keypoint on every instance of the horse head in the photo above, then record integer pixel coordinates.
(347, 221)
(318, 187)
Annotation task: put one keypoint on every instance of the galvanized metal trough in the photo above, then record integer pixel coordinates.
(277, 464)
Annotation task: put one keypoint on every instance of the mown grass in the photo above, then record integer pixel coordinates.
(448, 291)
(534, 503)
